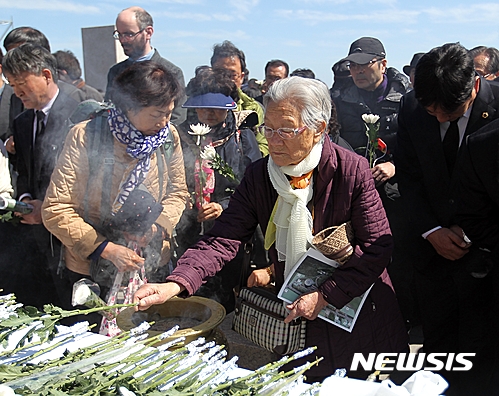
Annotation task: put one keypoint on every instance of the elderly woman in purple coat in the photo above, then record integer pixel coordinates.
(336, 186)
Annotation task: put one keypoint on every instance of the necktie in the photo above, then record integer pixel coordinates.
(40, 125)
(450, 145)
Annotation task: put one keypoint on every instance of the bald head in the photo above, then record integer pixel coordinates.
(135, 26)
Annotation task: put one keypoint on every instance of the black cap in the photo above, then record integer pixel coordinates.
(414, 62)
(364, 50)
(340, 69)
(137, 214)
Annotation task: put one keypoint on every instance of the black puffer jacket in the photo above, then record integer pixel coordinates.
(352, 103)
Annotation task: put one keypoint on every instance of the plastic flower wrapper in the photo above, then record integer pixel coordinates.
(216, 162)
(86, 292)
(203, 174)
(374, 143)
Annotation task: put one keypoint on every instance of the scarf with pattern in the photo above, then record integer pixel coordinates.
(138, 146)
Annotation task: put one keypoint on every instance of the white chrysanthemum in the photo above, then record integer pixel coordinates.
(6, 391)
(140, 329)
(370, 118)
(199, 130)
(208, 153)
(81, 294)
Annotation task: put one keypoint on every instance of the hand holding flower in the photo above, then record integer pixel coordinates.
(383, 172)
(209, 211)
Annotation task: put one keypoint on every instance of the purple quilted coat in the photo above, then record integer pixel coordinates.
(343, 190)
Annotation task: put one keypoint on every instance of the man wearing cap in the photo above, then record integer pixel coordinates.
(448, 103)
(378, 90)
(411, 68)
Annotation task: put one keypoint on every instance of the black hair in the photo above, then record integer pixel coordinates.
(445, 77)
(277, 63)
(145, 84)
(493, 55)
(212, 81)
(1, 56)
(31, 59)
(228, 50)
(67, 61)
(25, 34)
(305, 73)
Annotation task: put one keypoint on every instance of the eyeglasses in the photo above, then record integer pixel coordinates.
(126, 36)
(356, 66)
(483, 75)
(285, 133)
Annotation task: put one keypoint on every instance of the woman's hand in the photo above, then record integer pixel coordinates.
(35, 217)
(209, 211)
(142, 241)
(307, 306)
(260, 277)
(155, 293)
(123, 258)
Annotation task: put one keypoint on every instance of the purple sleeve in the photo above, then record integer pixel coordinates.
(373, 242)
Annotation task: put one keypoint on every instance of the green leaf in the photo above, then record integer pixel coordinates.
(9, 372)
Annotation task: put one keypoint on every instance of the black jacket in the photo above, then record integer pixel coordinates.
(428, 191)
(478, 207)
(351, 105)
(34, 177)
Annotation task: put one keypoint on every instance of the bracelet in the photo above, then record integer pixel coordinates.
(269, 271)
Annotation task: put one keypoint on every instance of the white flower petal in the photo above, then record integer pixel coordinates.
(199, 129)
(370, 118)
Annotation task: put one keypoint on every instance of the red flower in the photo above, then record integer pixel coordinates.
(381, 146)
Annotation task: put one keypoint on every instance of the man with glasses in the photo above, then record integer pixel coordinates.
(486, 60)
(134, 29)
(227, 56)
(454, 290)
(377, 89)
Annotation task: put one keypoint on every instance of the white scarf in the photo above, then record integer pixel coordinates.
(292, 218)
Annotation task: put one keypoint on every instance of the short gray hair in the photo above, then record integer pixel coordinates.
(31, 59)
(311, 97)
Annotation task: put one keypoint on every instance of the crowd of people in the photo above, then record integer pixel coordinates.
(132, 186)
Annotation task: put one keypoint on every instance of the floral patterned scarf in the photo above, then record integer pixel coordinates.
(139, 146)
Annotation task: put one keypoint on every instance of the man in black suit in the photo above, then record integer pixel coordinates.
(134, 29)
(449, 102)
(39, 133)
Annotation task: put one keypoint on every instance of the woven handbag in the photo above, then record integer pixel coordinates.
(259, 317)
(336, 242)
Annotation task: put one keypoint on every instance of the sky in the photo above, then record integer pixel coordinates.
(310, 34)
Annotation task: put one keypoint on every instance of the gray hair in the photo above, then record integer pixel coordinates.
(31, 59)
(144, 19)
(311, 97)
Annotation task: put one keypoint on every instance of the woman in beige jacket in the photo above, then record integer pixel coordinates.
(104, 161)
